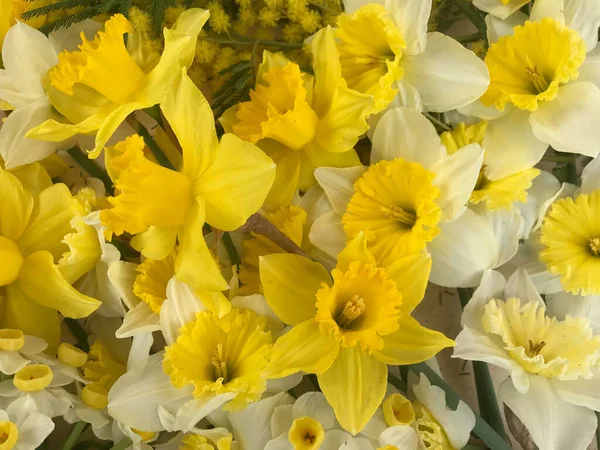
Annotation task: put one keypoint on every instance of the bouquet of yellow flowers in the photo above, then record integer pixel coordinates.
(223, 223)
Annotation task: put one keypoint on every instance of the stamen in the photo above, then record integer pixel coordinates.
(219, 361)
(309, 438)
(595, 246)
(397, 213)
(535, 350)
(539, 82)
(352, 311)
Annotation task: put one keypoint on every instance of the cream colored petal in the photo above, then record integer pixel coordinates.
(583, 16)
(492, 286)
(411, 18)
(179, 308)
(327, 234)
(138, 320)
(338, 184)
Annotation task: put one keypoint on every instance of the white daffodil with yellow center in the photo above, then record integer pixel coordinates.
(16, 350)
(357, 317)
(385, 51)
(424, 418)
(220, 182)
(35, 227)
(300, 120)
(413, 198)
(553, 361)
(544, 87)
(22, 426)
(99, 85)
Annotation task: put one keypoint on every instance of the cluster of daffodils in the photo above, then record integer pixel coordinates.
(219, 237)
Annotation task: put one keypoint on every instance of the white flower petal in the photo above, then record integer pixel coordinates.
(580, 392)
(476, 109)
(544, 187)
(553, 9)
(281, 420)
(492, 286)
(70, 38)
(590, 178)
(571, 122)
(314, 404)
(20, 409)
(285, 383)
(456, 176)
(563, 304)
(11, 362)
(507, 225)
(510, 145)
(553, 423)
(140, 349)
(499, 10)
(519, 285)
(376, 424)
(327, 234)
(498, 26)
(583, 16)
(179, 308)
(447, 75)
(406, 133)
(334, 439)
(357, 444)
(122, 275)
(190, 413)
(338, 184)
(33, 431)
(588, 71)
(140, 319)
(33, 345)
(462, 251)
(259, 305)
(411, 17)
(403, 436)
(280, 443)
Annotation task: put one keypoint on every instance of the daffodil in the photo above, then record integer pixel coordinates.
(302, 121)
(36, 220)
(220, 183)
(500, 8)
(413, 197)
(543, 85)
(385, 51)
(99, 85)
(348, 326)
(16, 350)
(22, 426)
(553, 361)
(211, 439)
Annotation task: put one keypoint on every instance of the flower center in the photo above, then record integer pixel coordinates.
(220, 363)
(70, 355)
(11, 261)
(150, 284)
(95, 395)
(543, 345)
(33, 378)
(9, 435)
(394, 205)
(398, 410)
(430, 431)
(306, 434)
(569, 234)
(278, 110)
(103, 370)
(530, 65)
(11, 340)
(361, 306)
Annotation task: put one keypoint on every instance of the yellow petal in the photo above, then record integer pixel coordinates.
(22, 313)
(286, 178)
(410, 273)
(411, 344)
(50, 222)
(355, 250)
(236, 184)
(34, 177)
(41, 281)
(290, 283)
(17, 205)
(189, 23)
(354, 386)
(84, 251)
(327, 68)
(195, 264)
(191, 118)
(156, 242)
(313, 156)
(303, 348)
(270, 61)
(215, 302)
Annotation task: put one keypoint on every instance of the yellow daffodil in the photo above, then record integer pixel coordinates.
(302, 121)
(220, 183)
(496, 194)
(385, 51)
(550, 350)
(34, 226)
(99, 85)
(348, 327)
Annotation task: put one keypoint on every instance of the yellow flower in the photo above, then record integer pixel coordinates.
(150, 285)
(35, 219)
(99, 85)
(500, 193)
(290, 221)
(528, 66)
(222, 355)
(102, 370)
(12, 10)
(346, 329)
(198, 442)
(570, 234)
(222, 183)
(302, 122)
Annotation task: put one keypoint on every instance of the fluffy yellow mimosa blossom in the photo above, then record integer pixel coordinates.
(570, 235)
(302, 121)
(290, 220)
(348, 326)
(220, 183)
(35, 222)
(99, 85)
(499, 193)
(222, 355)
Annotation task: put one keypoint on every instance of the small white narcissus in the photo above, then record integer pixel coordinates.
(16, 349)
(22, 426)
(552, 358)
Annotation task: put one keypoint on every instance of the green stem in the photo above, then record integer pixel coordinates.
(482, 429)
(151, 143)
(486, 394)
(231, 250)
(439, 123)
(74, 435)
(91, 167)
(572, 176)
(558, 158)
(122, 444)
(79, 333)
(469, 38)
(468, 10)
(251, 43)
